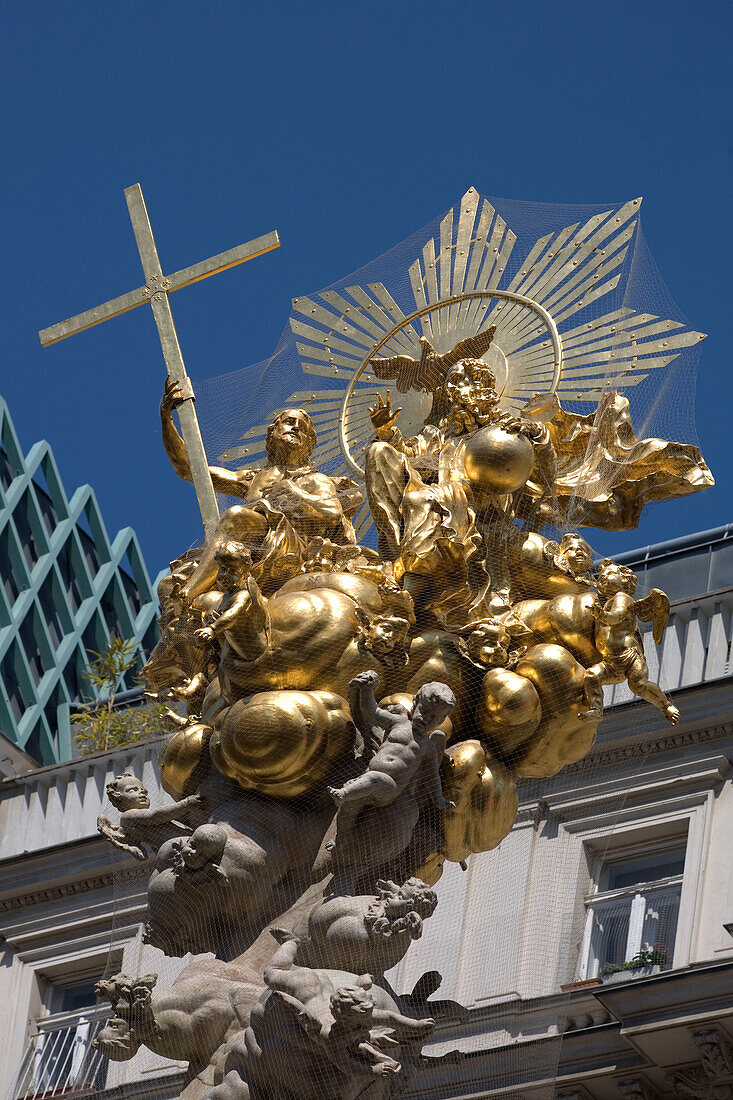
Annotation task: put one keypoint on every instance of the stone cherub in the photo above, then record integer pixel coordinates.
(404, 750)
(342, 1020)
(141, 828)
(364, 933)
(198, 858)
(619, 642)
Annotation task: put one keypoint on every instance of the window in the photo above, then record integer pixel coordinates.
(61, 1059)
(633, 913)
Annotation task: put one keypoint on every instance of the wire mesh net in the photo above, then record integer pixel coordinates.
(388, 665)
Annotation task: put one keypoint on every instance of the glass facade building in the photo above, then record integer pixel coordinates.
(64, 590)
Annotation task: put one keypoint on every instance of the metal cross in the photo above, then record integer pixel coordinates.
(156, 290)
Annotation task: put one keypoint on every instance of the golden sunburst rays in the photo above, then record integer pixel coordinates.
(461, 288)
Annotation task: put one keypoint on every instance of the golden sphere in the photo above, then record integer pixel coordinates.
(498, 461)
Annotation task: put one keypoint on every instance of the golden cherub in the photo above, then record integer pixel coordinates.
(619, 643)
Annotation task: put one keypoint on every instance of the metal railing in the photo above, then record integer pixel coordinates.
(60, 1060)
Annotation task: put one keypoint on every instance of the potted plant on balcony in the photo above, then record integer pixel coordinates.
(647, 961)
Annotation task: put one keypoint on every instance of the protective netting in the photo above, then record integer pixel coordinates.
(384, 576)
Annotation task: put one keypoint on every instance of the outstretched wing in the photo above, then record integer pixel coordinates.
(654, 608)
(402, 368)
(116, 835)
(473, 347)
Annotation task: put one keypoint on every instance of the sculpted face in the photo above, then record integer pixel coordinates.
(115, 1041)
(352, 1009)
(613, 578)
(206, 843)
(489, 644)
(577, 553)
(385, 633)
(128, 793)
(471, 385)
(433, 703)
(231, 575)
(291, 438)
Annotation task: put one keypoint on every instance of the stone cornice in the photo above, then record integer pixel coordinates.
(666, 742)
(53, 893)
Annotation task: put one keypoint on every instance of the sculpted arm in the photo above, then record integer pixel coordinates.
(232, 482)
(161, 815)
(615, 610)
(383, 418)
(228, 618)
(431, 780)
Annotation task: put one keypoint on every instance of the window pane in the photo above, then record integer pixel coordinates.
(663, 864)
(70, 996)
(660, 923)
(610, 933)
(611, 941)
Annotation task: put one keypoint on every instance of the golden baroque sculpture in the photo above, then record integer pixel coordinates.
(352, 712)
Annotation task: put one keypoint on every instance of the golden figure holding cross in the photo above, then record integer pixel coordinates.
(155, 291)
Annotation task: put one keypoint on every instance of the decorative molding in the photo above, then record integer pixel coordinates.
(713, 1079)
(716, 1052)
(663, 743)
(53, 893)
(636, 1088)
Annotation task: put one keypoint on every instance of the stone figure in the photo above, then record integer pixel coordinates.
(619, 642)
(187, 1022)
(321, 1034)
(140, 828)
(286, 503)
(364, 934)
(403, 751)
(218, 888)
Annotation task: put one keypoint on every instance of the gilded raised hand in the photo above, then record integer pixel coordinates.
(382, 415)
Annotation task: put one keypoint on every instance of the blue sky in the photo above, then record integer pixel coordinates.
(346, 127)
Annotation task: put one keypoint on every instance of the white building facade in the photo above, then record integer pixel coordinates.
(591, 948)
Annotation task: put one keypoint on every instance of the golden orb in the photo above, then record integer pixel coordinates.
(498, 461)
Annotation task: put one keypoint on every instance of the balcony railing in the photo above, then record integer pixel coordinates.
(60, 1060)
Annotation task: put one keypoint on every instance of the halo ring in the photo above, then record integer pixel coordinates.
(507, 295)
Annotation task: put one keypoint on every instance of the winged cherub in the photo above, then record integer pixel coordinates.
(141, 827)
(619, 643)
